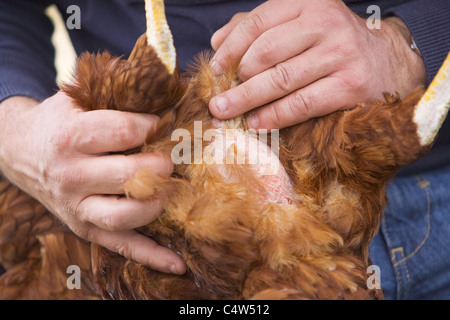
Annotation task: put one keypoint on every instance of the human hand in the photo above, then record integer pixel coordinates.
(304, 59)
(60, 155)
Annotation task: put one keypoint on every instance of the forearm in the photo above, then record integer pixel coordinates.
(13, 124)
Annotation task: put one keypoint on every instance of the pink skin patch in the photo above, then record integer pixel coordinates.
(236, 146)
(268, 168)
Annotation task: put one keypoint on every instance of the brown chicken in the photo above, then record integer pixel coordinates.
(298, 228)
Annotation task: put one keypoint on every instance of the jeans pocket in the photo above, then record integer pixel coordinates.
(416, 232)
(406, 228)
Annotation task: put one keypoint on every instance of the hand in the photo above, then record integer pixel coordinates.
(303, 59)
(60, 155)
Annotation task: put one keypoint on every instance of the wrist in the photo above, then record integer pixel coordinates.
(12, 126)
(398, 25)
(405, 48)
(14, 105)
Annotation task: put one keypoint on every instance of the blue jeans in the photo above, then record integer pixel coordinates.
(412, 248)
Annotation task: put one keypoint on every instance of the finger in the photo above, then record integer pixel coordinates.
(319, 98)
(118, 213)
(266, 16)
(265, 52)
(219, 36)
(139, 248)
(108, 174)
(101, 131)
(273, 84)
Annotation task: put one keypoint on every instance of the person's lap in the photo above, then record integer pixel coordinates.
(412, 248)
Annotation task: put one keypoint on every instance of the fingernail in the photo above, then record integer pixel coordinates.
(252, 121)
(177, 270)
(173, 269)
(221, 104)
(216, 67)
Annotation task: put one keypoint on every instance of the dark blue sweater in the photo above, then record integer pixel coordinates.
(27, 55)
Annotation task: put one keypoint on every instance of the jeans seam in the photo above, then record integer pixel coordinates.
(398, 271)
(425, 187)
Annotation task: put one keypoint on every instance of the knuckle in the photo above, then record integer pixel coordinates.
(266, 49)
(276, 117)
(246, 69)
(346, 48)
(342, 51)
(59, 180)
(125, 133)
(126, 173)
(253, 24)
(112, 222)
(300, 105)
(62, 139)
(353, 82)
(82, 215)
(246, 93)
(123, 248)
(80, 228)
(83, 232)
(239, 16)
(281, 78)
(331, 18)
(67, 179)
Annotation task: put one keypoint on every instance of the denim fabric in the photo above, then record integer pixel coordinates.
(413, 246)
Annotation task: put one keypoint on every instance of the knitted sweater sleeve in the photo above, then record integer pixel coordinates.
(26, 53)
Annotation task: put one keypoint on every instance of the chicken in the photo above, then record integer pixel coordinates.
(296, 224)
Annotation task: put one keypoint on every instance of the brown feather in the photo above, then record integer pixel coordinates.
(139, 84)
